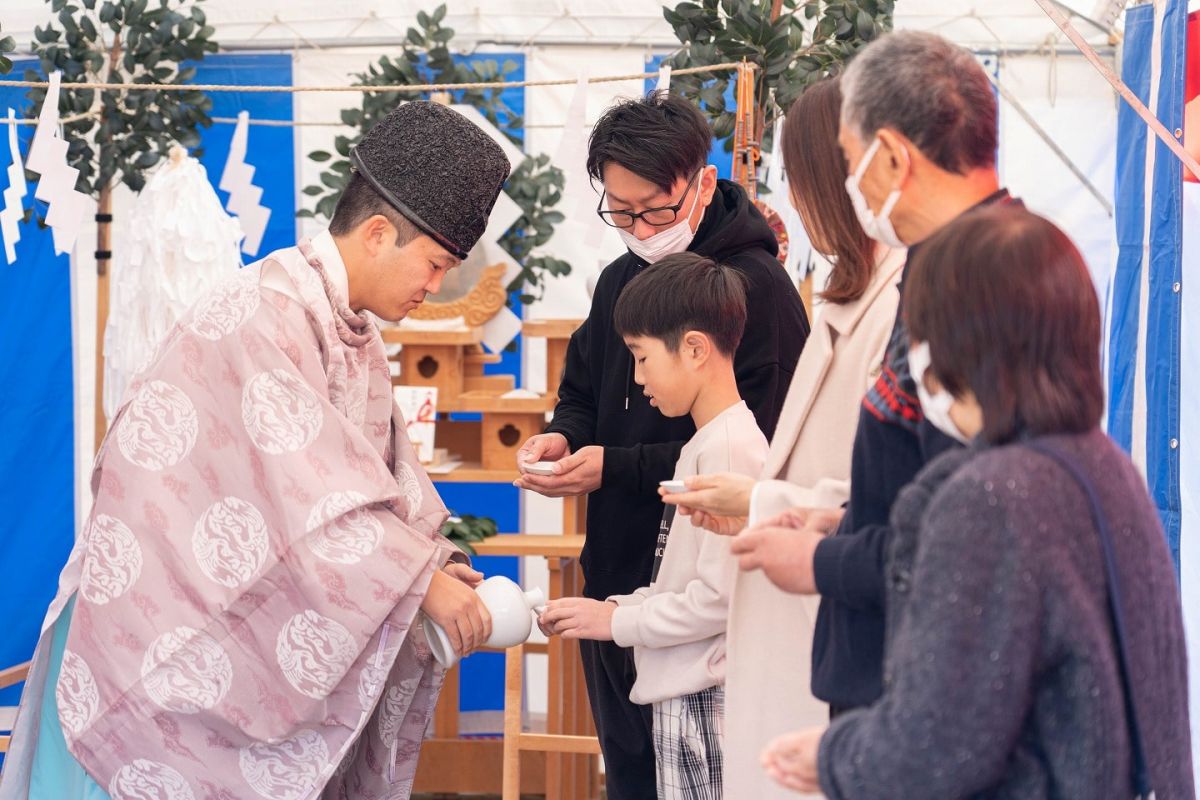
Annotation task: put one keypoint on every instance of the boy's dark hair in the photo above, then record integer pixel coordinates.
(684, 292)
(359, 202)
(660, 137)
(1009, 310)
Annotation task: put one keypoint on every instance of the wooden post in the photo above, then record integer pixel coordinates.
(445, 714)
(103, 255)
(557, 654)
(513, 684)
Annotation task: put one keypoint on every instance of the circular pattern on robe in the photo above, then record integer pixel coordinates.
(230, 541)
(343, 531)
(158, 428)
(410, 487)
(149, 780)
(76, 693)
(186, 671)
(226, 308)
(314, 653)
(112, 562)
(286, 770)
(281, 413)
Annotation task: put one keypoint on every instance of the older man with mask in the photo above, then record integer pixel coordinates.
(919, 135)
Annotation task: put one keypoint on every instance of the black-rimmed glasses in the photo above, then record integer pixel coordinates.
(652, 216)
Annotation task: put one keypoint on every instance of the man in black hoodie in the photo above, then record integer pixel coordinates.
(607, 440)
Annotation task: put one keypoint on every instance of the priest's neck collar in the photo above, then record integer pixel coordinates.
(326, 249)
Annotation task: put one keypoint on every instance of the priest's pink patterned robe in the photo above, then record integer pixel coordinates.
(248, 581)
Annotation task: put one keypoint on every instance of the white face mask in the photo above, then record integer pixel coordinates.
(878, 226)
(936, 407)
(674, 239)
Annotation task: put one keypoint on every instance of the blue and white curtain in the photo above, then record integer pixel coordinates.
(1144, 304)
(37, 441)
(1152, 363)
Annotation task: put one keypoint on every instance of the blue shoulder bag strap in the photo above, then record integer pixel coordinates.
(1141, 776)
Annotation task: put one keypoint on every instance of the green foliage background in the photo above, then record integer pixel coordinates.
(535, 185)
(123, 41)
(805, 43)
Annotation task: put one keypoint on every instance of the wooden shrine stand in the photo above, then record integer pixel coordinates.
(560, 762)
(453, 362)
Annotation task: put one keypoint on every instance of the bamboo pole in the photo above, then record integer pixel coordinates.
(103, 256)
(103, 251)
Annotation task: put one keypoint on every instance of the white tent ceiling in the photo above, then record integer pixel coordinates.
(981, 24)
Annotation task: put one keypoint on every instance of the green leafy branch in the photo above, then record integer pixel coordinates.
(425, 58)
(125, 132)
(7, 45)
(467, 529)
(793, 42)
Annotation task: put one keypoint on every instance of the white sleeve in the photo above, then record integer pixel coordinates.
(769, 498)
(701, 610)
(698, 612)
(638, 597)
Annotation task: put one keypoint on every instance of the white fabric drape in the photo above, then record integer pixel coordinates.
(177, 242)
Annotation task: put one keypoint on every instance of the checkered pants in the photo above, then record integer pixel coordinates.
(688, 736)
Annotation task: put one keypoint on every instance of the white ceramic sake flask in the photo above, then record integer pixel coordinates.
(512, 618)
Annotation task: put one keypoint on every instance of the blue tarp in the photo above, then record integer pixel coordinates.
(37, 456)
(1162, 326)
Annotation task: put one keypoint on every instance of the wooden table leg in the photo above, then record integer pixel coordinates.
(586, 779)
(513, 706)
(588, 728)
(556, 652)
(445, 714)
(569, 776)
(574, 515)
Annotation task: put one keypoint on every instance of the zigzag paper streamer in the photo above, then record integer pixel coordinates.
(664, 79)
(244, 196)
(56, 185)
(11, 213)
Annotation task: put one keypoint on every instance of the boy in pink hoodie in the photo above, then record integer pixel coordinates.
(682, 319)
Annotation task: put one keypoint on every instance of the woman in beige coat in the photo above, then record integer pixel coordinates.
(770, 632)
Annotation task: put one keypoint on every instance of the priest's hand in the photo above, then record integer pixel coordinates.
(719, 503)
(791, 759)
(464, 573)
(453, 604)
(785, 555)
(576, 474)
(578, 618)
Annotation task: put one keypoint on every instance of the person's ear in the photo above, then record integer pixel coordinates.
(696, 347)
(896, 155)
(708, 183)
(377, 233)
(932, 384)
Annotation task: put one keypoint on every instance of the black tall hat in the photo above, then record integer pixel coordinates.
(437, 168)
